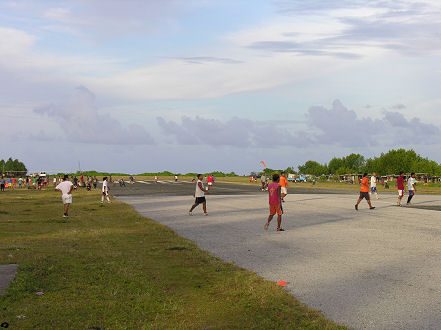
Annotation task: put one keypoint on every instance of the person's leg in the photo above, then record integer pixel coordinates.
(270, 217)
(102, 197)
(204, 207)
(369, 203)
(193, 207)
(409, 198)
(66, 208)
(107, 197)
(279, 221)
(400, 196)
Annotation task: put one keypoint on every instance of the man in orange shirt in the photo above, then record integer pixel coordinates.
(284, 186)
(364, 192)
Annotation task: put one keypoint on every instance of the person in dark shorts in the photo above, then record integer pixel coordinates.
(199, 194)
(364, 192)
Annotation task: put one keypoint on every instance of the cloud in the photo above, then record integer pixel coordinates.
(209, 59)
(234, 132)
(80, 121)
(343, 127)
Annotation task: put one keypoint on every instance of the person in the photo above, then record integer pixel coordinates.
(132, 181)
(176, 178)
(374, 185)
(2, 184)
(275, 204)
(122, 183)
(95, 182)
(105, 191)
(400, 186)
(199, 195)
(55, 181)
(364, 192)
(20, 182)
(156, 179)
(283, 186)
(411, 182)
(209, 181)
(65, 187)
(263, 181)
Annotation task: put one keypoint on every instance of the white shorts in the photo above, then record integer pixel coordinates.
(284, 190)
(210, 183)
(400, 192)
(67, 199)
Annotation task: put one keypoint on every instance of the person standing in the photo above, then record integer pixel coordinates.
(55, 181)
(263, 181)
(283, 186)
(374, 185)
(411, 182)
(364, 192)
(65, 187)
(199, 195)
(156, 179)
(209, 181)
(275, 202)
(105, 191)
(2, 184)
(400, 186)
(176, 178)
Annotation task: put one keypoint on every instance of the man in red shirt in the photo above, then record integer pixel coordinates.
(364, 192)
(400, 186)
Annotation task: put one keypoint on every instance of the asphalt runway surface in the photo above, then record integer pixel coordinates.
(371, 269)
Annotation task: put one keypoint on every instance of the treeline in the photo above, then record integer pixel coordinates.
(391, 162)
(163, 173)
(12, 167)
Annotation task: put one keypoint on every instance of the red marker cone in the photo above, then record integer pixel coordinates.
(281, 283)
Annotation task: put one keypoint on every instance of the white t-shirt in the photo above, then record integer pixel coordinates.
(410, 182)
(199, 192)
(373, 182)
(64, 187)
(105, 188)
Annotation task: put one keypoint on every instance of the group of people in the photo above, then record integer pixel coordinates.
(31, 182)
(365, 192)
(65, 187)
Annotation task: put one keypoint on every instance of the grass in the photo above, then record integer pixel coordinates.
(108, 267)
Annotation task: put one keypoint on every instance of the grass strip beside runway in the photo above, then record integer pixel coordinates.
(108, 267)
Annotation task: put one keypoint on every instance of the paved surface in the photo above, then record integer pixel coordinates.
(378, 269)
(7, 274)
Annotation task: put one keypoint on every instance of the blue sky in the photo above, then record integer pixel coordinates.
(199, 85)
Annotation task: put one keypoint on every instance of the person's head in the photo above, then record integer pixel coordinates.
(365, 175)
(283, 174)
(65, 177)
(105, 178)
(412, 175)
(401, 173)
(200, 176)
(374, 174)
(276, 177)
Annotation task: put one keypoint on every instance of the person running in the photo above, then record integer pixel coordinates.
(374, 185)
(364, 192)
(65, 187)
(411, 182)
(156, 179)
(400, 186)
(199, 194)
(105, 191)
(283, 186)
(275, 204)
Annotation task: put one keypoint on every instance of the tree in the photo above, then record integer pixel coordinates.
(313, 167)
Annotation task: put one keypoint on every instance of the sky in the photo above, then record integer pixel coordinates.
(141, 86)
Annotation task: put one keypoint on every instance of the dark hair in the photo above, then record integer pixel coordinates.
(276, 177)
(199, 175)
(282, 173)
(401, 172)
(105, 178)
(412, 173)
(65, 177)
(364, 175)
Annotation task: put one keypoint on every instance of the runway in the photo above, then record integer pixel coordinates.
(371, 269)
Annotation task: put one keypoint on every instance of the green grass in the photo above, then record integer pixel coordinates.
(108, 267)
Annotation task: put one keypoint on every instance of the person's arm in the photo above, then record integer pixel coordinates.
(70, 190)
(202, 188)
(279, 193)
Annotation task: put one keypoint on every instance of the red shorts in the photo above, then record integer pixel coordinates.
(275, 209)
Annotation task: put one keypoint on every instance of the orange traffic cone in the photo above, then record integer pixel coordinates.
(281, 283)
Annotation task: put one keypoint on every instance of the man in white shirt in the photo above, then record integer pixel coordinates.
(374, 185)
(199, 194)
(411, 182)
(105, 191)
(65, 187)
